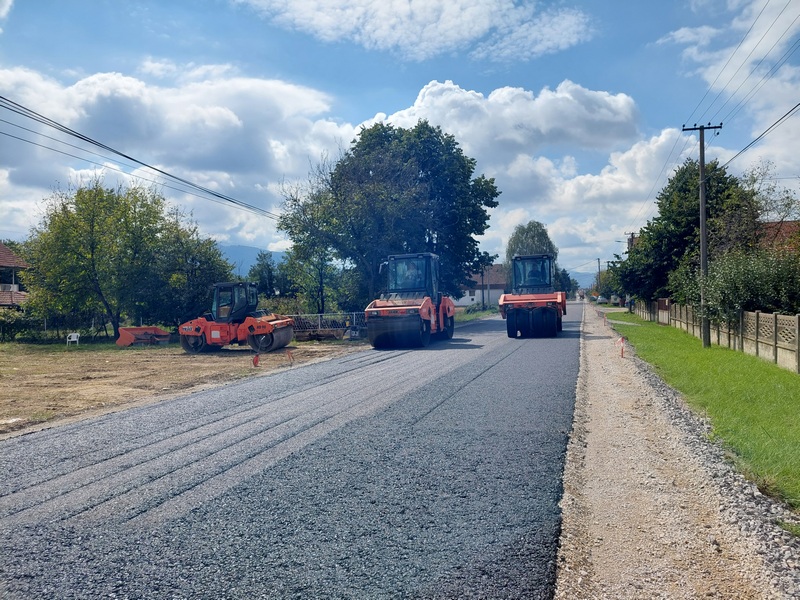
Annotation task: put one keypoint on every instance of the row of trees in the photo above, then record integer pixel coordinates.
(106, 255)
(747, 270)
(122, 255)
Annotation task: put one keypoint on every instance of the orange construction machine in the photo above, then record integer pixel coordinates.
(412, 309)
(234, 320)
(533, 309)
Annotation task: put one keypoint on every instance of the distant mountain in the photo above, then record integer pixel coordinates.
(244, 257)
(585, 280)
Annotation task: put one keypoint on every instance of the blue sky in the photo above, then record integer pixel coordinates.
(574, 107)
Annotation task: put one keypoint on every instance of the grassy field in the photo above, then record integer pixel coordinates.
(752, 404)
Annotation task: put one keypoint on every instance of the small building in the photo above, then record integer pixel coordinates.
(10, 264)
(488, 287)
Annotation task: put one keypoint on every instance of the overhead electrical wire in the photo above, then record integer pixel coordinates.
(727, 62)
(755, 68)
(254, 210)
(742, 102)
(788, 114)
(746, 58)
(766, 77)
(28, 113)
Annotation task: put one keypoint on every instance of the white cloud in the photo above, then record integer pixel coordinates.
(498, 30)
(527, 142)
(236, 135)
(5, 8)
(527, 36)
(512, 122)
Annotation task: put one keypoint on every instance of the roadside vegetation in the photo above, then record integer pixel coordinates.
(751, 404)
(471, 313)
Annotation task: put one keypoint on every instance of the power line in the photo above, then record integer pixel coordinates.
(788, 114)
(725, 66)
(755, 68)
(742, 102)
(744, 62)
(30, 114)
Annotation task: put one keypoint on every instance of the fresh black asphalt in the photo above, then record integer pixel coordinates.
(428, 473)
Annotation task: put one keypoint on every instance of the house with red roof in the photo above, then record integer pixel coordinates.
(782, 235)
(487, 289)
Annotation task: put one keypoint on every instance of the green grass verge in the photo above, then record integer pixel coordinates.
(462, 316)
(752, 404)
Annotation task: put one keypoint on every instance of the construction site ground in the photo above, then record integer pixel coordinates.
(650, 508)
(43, 385)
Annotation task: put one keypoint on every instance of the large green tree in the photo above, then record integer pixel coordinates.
(263, 273)
(531, 238)
(118, 251)
(395, 191)
(669, 244)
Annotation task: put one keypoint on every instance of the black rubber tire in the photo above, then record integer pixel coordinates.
(449, 328)
(424, 333)
(260, 343)
(511, 325)
(194, 344)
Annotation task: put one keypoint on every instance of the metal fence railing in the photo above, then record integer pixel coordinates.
(336, 324)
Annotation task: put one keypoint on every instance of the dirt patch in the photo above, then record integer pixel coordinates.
(43, 385)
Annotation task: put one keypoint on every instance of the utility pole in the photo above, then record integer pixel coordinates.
(705, 329)
(598, 276)
(630, 235)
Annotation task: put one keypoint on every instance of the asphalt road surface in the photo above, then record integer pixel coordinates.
(429, 473)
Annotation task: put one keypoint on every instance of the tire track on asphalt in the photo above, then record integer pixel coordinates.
(21, 474)
(172, 470)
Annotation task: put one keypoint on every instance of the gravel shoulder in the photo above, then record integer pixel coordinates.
(651, 508)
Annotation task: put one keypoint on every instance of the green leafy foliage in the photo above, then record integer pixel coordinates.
(768, 281)
(12, 323)
(529, 239)
(672, 239)
(394, 191)
(263, 274)
(118, 254)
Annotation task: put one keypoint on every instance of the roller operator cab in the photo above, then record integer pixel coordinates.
(412, 309)
(533, 308)
(234, 319)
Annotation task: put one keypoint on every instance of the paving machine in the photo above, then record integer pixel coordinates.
(412, 310)
(533, 308)
(234, 319)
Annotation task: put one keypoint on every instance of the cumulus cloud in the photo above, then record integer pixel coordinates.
(509, 122)
(527, 141)
(244, 136)
(236, 135)
(497, 30)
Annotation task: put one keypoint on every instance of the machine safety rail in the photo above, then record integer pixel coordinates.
(329, 323)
